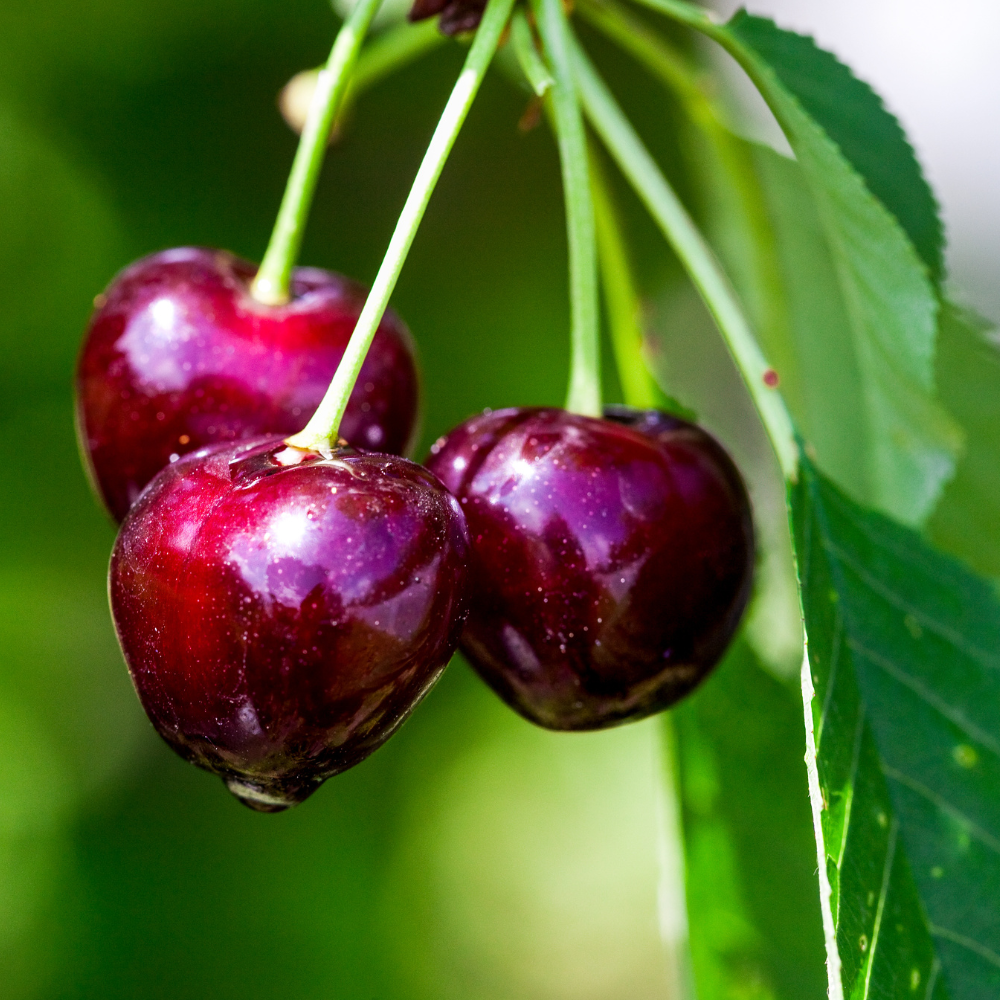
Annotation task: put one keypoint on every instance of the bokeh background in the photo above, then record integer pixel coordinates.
(473, 856)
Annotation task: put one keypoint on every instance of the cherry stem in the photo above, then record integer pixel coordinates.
(764, 291)
(523, 42)
(271, 286)
(322, 430)
(672, 894)
(584, 395)
(620, 296)
(694, 253)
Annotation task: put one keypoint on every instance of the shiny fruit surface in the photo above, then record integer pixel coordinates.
(281, 612)
(611, 559)
(178, 355)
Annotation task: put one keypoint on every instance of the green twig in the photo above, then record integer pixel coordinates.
(672, 894)
(584, 395)
(322, 429)
(620, 296)
(764, 286)
(686, 13)
(692, 250)
(271, 286)
(523, 43)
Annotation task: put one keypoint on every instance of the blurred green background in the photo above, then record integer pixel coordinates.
(474, 856)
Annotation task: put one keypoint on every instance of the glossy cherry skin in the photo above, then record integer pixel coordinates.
(611, 559)
(281, 620)
(178, 355)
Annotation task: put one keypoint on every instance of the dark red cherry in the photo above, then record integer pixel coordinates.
(611, 559)
(178, 355)
(281, 612)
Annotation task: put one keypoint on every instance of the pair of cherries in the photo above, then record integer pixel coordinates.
(282, 611)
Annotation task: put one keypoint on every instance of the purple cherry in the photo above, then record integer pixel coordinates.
(282, 612)
(179, 355)
(611, 559)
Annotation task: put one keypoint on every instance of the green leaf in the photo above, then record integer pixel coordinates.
(775, 247)
(854, 117)
(889, 303)
(903, 702)
(967, 521)
(754, 925)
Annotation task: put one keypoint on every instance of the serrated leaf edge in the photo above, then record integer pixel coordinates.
(904, 138)
(921, 369)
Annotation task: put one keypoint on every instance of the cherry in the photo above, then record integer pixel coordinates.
(282, 612)
(611, 559)
(178, 355)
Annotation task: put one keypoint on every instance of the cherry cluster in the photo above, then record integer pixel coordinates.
(283, 610)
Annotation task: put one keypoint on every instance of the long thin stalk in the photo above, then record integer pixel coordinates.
(692, 250)
(685, 13)
(523, 42)
(621, 299)
(672, 890)
(271, 286)
(322, 430)
(584, 395)
(764, 286)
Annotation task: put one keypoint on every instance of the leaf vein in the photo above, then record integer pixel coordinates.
(831, 676)
(890, 858)
(932, 981)
(983, 836)
(953, 714)
(859, 730)
(966, 942)
(952, 636)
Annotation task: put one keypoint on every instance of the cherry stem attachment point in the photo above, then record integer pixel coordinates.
(271, 286)
(322, 430)
(584, 395)
(694, 253)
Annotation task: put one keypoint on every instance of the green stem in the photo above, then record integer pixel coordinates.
(763, 286)
(620, 296)
(322, 430)
(672, 894)
(655, 53)
(686, 13)
(271, 286)
(523, 42)
(692, 250)
(584, 395)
